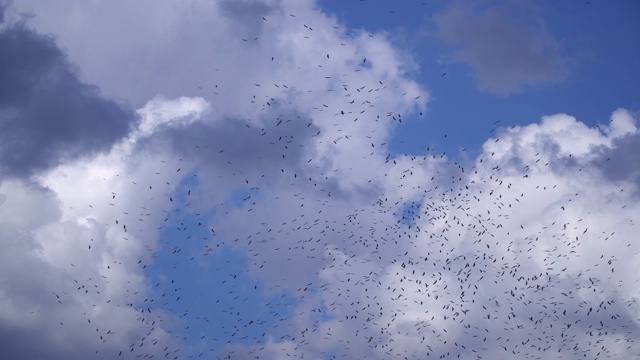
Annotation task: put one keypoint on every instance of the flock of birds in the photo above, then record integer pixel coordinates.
(296, 260)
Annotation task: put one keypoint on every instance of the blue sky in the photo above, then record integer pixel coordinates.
(319, 179)
(591, 38)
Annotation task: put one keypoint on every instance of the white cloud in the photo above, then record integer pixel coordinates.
(177, 112)
(74, 267)
(525, 242)
(58, 291)
(384, 256)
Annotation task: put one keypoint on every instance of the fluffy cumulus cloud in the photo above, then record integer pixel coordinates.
(526, 251)
(505, 45)
(252, 209)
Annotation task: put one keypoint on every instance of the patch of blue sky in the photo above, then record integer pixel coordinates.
(210, 288)
(240, 196)
(460, 115)
(409, 213)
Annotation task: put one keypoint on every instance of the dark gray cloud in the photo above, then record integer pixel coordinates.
(277, 141)
(47, 115)
(245, 14)
(506, 48)
(3, 8)
(622, 161)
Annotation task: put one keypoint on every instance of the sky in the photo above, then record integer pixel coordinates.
(270, 179)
